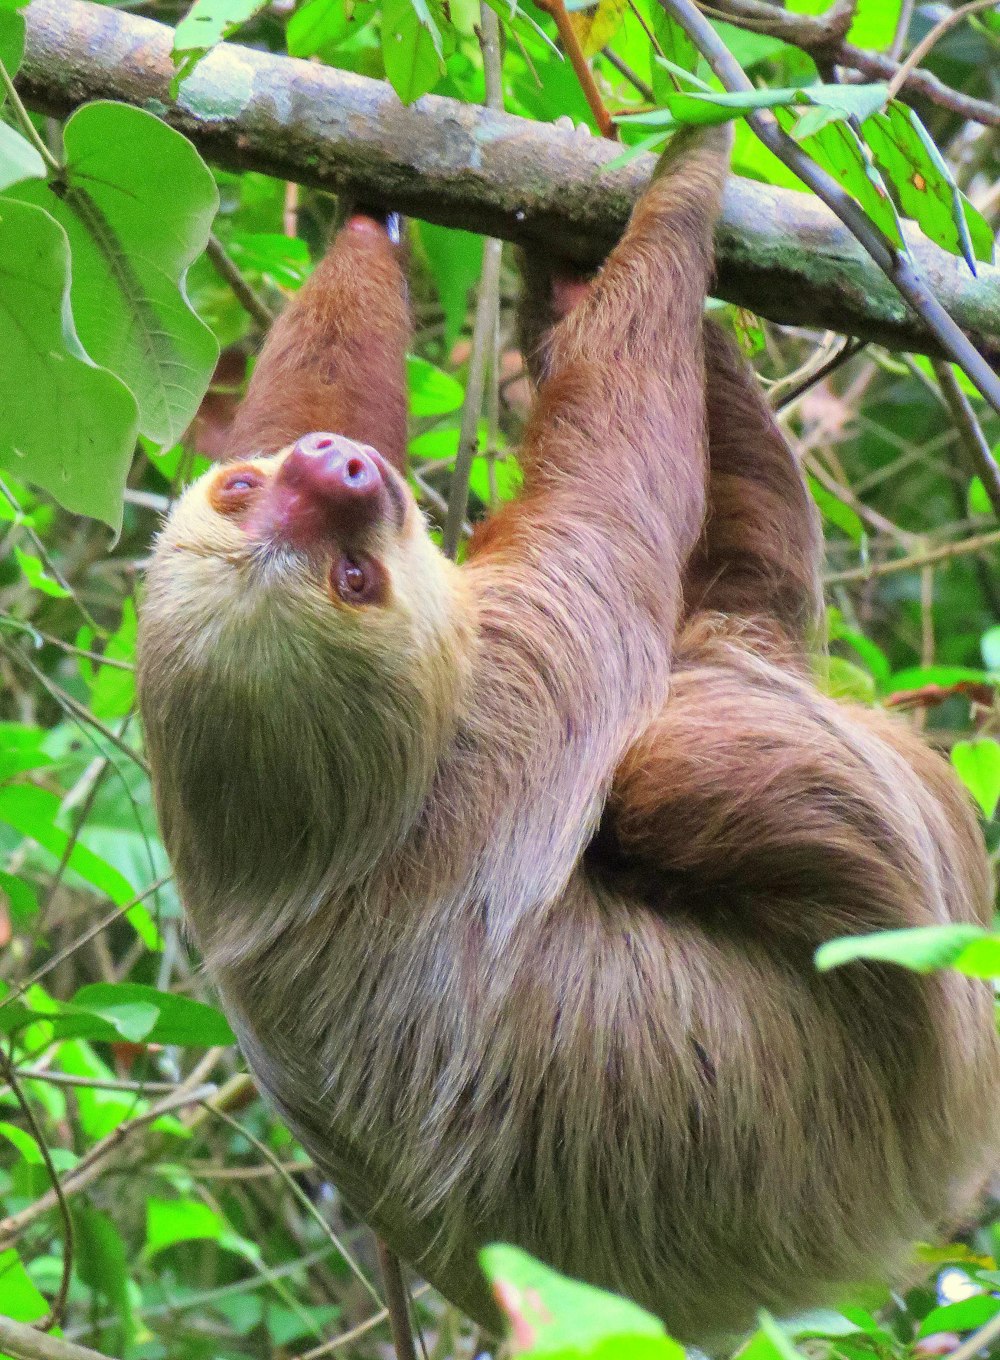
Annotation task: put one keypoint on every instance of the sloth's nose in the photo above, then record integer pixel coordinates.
(329, 487)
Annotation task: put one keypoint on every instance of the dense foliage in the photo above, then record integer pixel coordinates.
(187, 1222)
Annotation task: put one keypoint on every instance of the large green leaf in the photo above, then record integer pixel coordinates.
(68, 425)
(33, 812)
(924, 186)
(553, 1316)
(412, 48)
(137, 205)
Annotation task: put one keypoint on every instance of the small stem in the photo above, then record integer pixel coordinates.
(27, 126)
(397, 1302)
(244, 294)
(571, 44)
(623, 69)
(929, 39)
(973, 440)
(944, 551)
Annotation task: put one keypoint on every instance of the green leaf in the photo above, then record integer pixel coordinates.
(18, 158)
(432, 391)
(839, 150)
(916, 677)
(676, 46)
(874, 24)
(835, 511)
(551, 1315)
(980, 958)
(33, 570)
(319, 27)
(21, 1300)
(412, 48)
(32, 812)
(977, 764)
(841, 679)
(208, 22)
(137, 206)
(12, 34)
(169, 1221)
(456, 262)
(177, 1020)
(925, 189)
(964, 1316)
(22, 900)
(872, 655)
(838, 101)
(112, 690)
(921, 949)
(102, 1263)
(68, 425)
(21, 748)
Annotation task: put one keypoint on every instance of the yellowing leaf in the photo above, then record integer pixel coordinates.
(596, 27)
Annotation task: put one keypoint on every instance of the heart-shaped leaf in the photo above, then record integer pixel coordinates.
(69, 426)
(136, 203)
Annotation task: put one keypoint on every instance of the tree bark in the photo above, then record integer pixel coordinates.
(781, 253)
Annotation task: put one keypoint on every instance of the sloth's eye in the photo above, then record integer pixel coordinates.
(358, 580)
(235, 490)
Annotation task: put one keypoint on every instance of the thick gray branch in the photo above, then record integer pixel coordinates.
(780, 253)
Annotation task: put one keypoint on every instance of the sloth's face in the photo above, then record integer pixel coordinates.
(322, 541)
(303, 647)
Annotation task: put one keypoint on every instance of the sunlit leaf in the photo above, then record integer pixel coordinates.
(551, 1315)
(412, 48)
(921, 949)
(596, 25)
(924, 186)
(977, 764)
(963, 1316)
(18, 158)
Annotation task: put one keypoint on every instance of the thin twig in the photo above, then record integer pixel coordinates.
(902, 29)
(92, 1165)
(633, 78)
(571, 44)
(924, 46)
(970, 432)
(214, 1108)
(809, 380)
(978, 1341)
(27, 126)
(893, 263)
(56, 1309)
(241, 290)
(397, 1302)
(81, 940)
(487, 303)
(942, 553)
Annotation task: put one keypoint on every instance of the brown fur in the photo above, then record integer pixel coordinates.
(511, 887)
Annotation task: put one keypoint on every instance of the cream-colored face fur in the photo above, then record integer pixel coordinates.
(214, 566)
(284, 724)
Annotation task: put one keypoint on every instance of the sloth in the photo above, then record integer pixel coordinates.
(510, 874)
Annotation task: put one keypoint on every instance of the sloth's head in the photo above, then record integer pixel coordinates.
(302, 652)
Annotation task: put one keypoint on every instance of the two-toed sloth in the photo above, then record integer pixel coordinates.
(511, 874)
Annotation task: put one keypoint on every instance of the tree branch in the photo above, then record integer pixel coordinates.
(28, 1343)
(781, 254)
(824, 36)
(894, 262)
